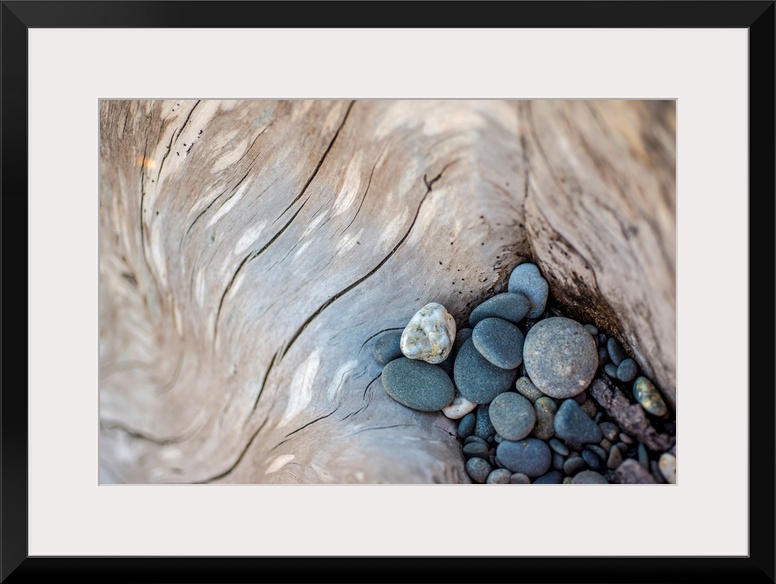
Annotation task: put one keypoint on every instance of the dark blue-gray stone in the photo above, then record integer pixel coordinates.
(387, 347)
(598, 450)
(603, 356)
(484, 427)
(554, 477)
(530, 456)
(477, 379)
(471, 439)
(557, 461)
(573, 465)
(478, 469)
(499, 476)
(560, 356)
(559, 447)
(476, 449)
(512, 415)
(611, 370)
(609, 430)
(572, 424)
(589, 477)
(528, 280)
(627, 370)
(519, 478)
(417, 384)
(616, 352)
(643, 456)
(466, 425)
(499, 341)
(509, 306)
(461, 337)
(592, 460)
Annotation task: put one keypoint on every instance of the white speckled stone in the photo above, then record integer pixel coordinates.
(667, 464)
(430, 334)
(459, 408)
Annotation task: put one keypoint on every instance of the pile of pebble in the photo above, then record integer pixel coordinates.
(541, 398)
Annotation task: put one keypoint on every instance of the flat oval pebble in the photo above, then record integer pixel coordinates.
(417, 384)
(509, 306)
(589, 477)
(559, 447)
(560, 357)
(512, 415)
(477, 379)
(603, 356)
(627, 370)
(557, 461)
(499, 341)
(573, 465)
(528, 280)
(529, 456)
(470, 439)
(483, 427)
(614, 459)
(643, 456)
(649, 398)
(572, 424)
(616, 352)
(429, 335)
(478, 469)
(591, 328)
(525, 387)
(545, 418)
(519, 478)
(592, 459)
(466, 425)
(478, 449)
(387, 347)
(553, 477)
(610, 370)
(459, 408)
(667, 464)
(598, 450)
(499, 476)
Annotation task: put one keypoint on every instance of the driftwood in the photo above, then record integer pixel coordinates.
(251, 251)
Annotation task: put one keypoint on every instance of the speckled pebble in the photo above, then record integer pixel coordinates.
(429, 335)
(559, 447)
(545, 409)
(610, 370)
(477, 379)
(609, 430)
(616, 352)
(573, 424)
(630, 472)
(459, 408)
(525, 387)
(519, 478)
(552, 477)
(592, 460)
(509, 306)
(614, 459)
(627, 370)
(560, 357)
(500, 342)
(527, 279)
(589, 477)
(512, 415)
(573, 465)
(478, 449)
(667, 464)
(417, 384)
(386, 348)
(529, 456)
(478, 469)
(499, 476)
(647, 395)
(483, 426)
(466, 425)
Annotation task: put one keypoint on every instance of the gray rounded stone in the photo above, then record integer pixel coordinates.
(499, 341)
(478, 449)
(557, 461)
(610, 370)
(483, 427)
(466, 425)
(471, 439)
(519, 478)
(461, 337)
(572, 424)
(512, 415)
(530, 456)
(616, 352)
(499, 476)
(603, 356)
(478, 469)
(554, 477)
(417, 384)
(573, 465)
(589, 477)
(592, 460)
(559, 447)
(528, 280)
(591, 328)
(477, 379)
(598, 450)
(643, 455)
(509, 306)
(387, 347)
(627, 370)
(609, 430)
(525, 387)
(545, 418)
(615, 458)
(560, 357)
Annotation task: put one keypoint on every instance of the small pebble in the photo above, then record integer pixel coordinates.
(525, 387)
(573, 424)
(609, 430)
(529, 456)
(631, 472)
(610, 370)
(589, 408)
(580, 398)
(509, 306)
(466, 425)
(429, 335)
(605, 444)
(667, 465)
(497, 439)
(500, 342)
(471, 439)
(545, 409)
(626, 438)
(615, 458)
(592, 330)
(553, 477)
(560, 357)
(598, 417)
(477, 449)
(527, 279)
(499, 476)
(477, 379)
(519, 478)
(616, 352)
(483, 426)
(602, 338)
(589, 477)
(573, 465)
(592, 460)
(557, 461)
(643, 456)
(567, 480)
(417, 385)
(603, 356)
(627, 370)
(559, 447)
(387, 347)
(494, 462)
(512, 415)
(622, 447)
(598, 450)
(478, 469)
(459, 408)
(647, 395)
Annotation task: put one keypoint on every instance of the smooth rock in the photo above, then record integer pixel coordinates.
(525, 387)
(598, 450)
(580, 398)
(573, 424)
(667, 465)
(626, 438)
(509, 306)
(497, 439)
(512, 415)
(528, 280)
(630, 472)
(499, 476)
(552, 477)
(466, 425)
(591, 328)
(592, 460)
(519, 478)
(429, 335)
(545, 409)
(603, 356)
(477, 379)
(605, 444)
(573, 465)
(461, 337)
(643, 456)
(589, 408)
(609, 430)
(589, 477)
(499, 341)
(560, 357)
(616, 352)
(614, 459)
(387, 347)
(647, 395)
(477, 449)
(459, 408)
(483, 426)
(557, 461)
(610, 370)
(529, 456)
(417, 384)
(470, 439)
(559, 447)
(493, 460)
(627, 370)
(478, 469)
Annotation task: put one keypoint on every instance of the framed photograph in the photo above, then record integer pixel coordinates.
(298, 293)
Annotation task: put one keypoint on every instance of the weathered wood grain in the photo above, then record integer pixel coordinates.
(250, 251)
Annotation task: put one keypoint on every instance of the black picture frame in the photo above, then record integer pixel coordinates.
(757, 17)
